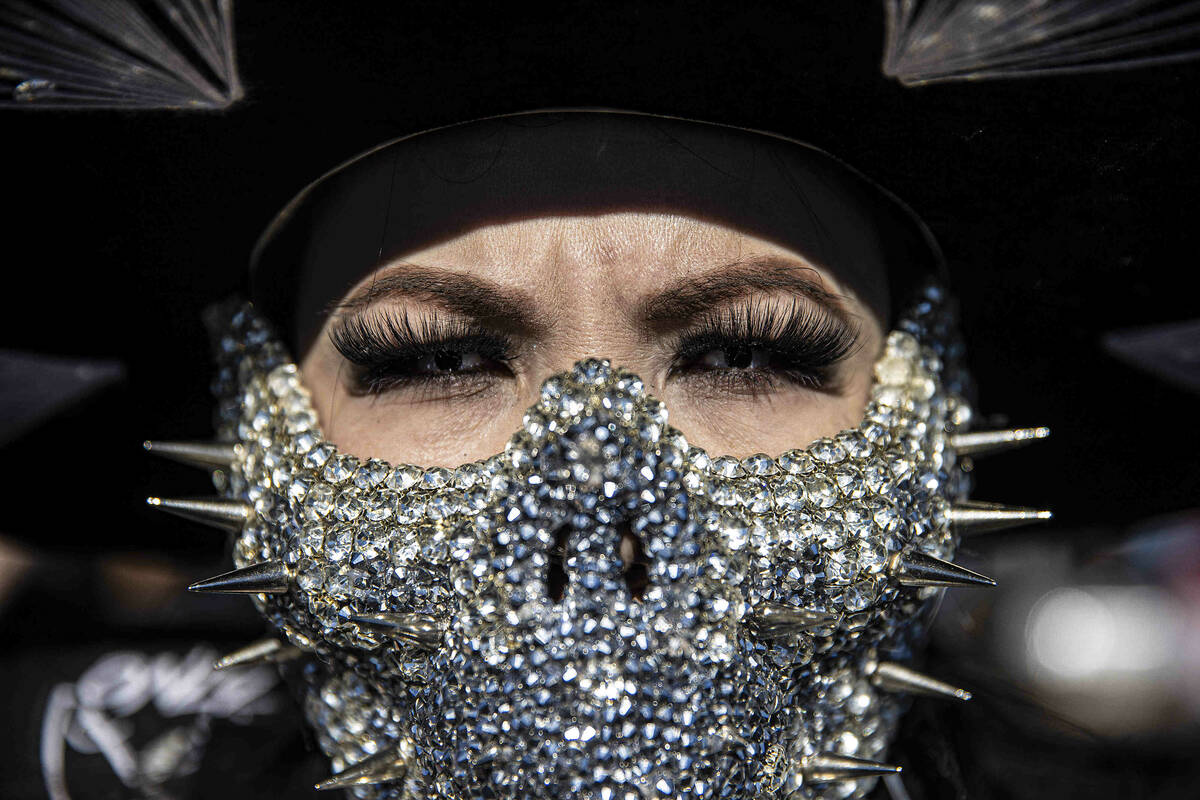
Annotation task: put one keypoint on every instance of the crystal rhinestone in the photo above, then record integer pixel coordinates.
(893, 370)
(873, 556)
(318, 455)
(310, 575)
(312, 540)
(318, 502)
(339, 544)
(856, 444)
(756, 496)
(828, 451)
(403, 477)
(348, 506)
(725, 493)
(877, 477)
(829, 533)
(796, 462)
(727, 467)
(789, 494)
(592, 372)
(371, 474)
(840, 566)
(760, 465)
(820, 491)
(887, 518)
(337, 469)
(377, 506)
(435, 478)
(849, 482)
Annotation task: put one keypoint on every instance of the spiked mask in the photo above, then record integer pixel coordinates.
(475, 632)
(480, 632)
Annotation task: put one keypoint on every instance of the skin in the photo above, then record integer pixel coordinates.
(588, 285)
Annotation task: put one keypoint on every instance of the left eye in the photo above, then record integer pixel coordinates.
(733, 357)
(449, 361)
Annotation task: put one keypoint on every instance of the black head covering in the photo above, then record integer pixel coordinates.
(426, 188)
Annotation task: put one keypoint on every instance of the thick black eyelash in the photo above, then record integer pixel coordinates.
(384, 348)
(804, 343)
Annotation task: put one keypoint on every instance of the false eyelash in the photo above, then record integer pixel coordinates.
(804, 343)
(384, 348)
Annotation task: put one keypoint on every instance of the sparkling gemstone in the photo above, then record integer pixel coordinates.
(403, 477)
(820, 491)
(796, 462)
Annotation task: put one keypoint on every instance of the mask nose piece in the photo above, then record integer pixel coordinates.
(597, 465)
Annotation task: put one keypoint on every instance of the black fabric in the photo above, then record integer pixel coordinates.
(429, 187)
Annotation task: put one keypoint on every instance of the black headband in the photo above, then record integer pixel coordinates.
(423, 189)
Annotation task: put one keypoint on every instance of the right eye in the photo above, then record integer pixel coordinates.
(391, 353)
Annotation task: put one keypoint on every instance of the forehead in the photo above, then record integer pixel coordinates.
(603, 255)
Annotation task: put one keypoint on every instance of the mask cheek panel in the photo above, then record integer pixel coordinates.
(602, 609)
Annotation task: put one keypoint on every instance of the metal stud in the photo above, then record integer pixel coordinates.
(421, 630)
(264, 651)
(770, 620)
(270, 577)
(914, 568)
(827, 767)
(206, 455)
(892, 677)
(390, 765)
(228, 515)
(975, 517)
(978, 443)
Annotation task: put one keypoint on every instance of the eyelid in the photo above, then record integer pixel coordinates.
(809, 343)
(385, 348)
(770, 321)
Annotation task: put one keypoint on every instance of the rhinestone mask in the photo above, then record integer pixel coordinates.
(474, 632)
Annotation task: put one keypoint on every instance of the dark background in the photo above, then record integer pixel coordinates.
(1066, 207)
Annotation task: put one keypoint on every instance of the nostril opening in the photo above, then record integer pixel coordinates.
(637, 577)
(556, 572)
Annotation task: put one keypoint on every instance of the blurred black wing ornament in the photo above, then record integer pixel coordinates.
(934, 41)
(131, 54)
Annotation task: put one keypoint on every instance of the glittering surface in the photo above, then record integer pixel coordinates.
(554, 674)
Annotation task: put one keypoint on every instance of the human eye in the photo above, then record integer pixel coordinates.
(390, 351)
(762, 346)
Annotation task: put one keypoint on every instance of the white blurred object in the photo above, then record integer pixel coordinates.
(118, 54)
(1110, 657)
(932, 41)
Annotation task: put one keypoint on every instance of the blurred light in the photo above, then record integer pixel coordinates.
(1102, 632)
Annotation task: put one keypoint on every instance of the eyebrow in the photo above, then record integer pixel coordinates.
(677, 305)
(504, 308)
(694, 295)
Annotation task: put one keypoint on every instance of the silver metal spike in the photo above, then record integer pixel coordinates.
(892, 677)
(206, 455)
(974, 517)
(978, 443)
(390, 765)
(826, 767)
(914, 568)
(228, 515)
(770, 620)
(264, 651)
(421, 630)
(269, 577)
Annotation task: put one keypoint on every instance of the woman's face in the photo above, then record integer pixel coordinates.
(434, 358)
